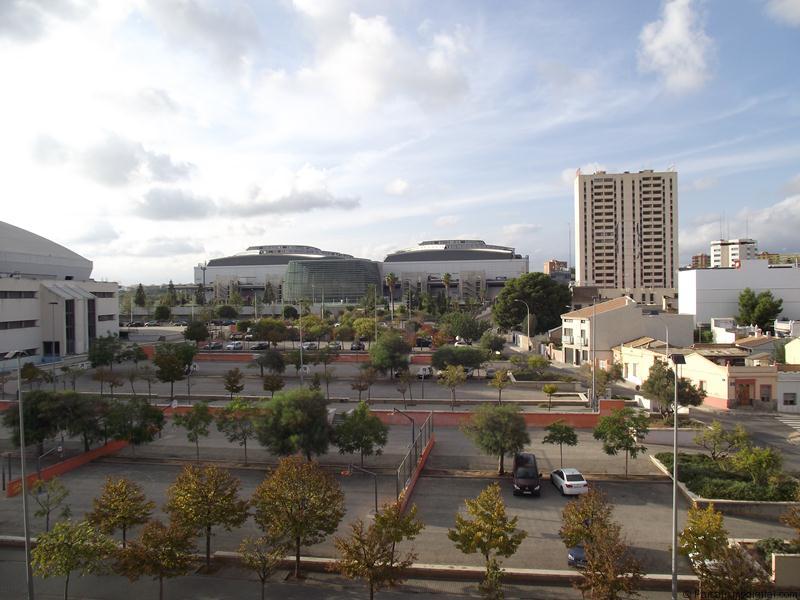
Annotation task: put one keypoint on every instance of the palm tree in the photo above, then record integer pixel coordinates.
(391, 280)
(446, 279)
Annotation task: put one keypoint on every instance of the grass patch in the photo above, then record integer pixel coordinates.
(708, 479)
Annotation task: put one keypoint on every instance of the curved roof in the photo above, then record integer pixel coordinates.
(439, 250)
(29, 255)
(274, 255)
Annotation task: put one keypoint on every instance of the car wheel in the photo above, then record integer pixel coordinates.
(562, 491)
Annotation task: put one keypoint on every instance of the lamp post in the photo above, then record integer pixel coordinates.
(300, 321)
(26, 525)
(528, 320)
(592, 332)
(374, 477)
(413, 426)
(53, 343)
(677, 359)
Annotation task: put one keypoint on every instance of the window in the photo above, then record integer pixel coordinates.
(789, 398)
(106, 317)
(91, 316)
(17, 324)
(103, 294)
(15, 294)
(766, 393)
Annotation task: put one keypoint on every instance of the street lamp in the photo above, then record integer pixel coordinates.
(300, 321)
(528, 321)
(374, 477)
(26, 526)
(413, 426)
(677, 359)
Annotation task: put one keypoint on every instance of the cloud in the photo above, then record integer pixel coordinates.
(166, 247)
(786, 12)
(99, 232)
(174, 205)
(568, 174)
(296, 202)
(156, 100)
(702, 184)
(27, 20)
(676, 47)
(163, 168)
(447, 220)
(49, 151)
(113, 161)
(793, 186)
(397, 187)
(520, 229)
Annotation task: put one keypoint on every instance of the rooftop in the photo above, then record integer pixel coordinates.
(597, 309)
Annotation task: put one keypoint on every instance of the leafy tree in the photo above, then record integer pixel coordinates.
(41, 422)
(196, 331)
(360, 384)
(611, 571)
(792, 518)
(550, 389)
(537, 365)
(131, 375)
(206, 497)
(498, 429)
(390, 352)
(234, 381)
(227, 312)
(621, 431)
(463, 325)
(148, 374)
(135, 421)
(720, 442)
(489, 532)
(314, 328)
(79, 415)
(121, 505)
(732, 575)
(237, 421)
(704, 536)
(104, 350)
(195, 421)
(660, 387)
(546, 298)
(298, 501)
(404, 380)
(760, 464)
(170, 361)
(272, 360)
(365, 328)
(290, 312)
(451, 378)
(263, 555)
(70, 547)
(140, 299)
(162, 312)
(72, 373)
(369, 552)
(500, 381)
(200, 295)
(491, 342)
(160, 552)
(295, 421)
(560, 433)
(464, 356)
(272, 384)
(270, 330)
(49, 495)
(758, 309)
(361, 432)
(579, 518)
(605, 377)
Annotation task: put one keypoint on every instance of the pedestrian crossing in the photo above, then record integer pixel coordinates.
(792, 421)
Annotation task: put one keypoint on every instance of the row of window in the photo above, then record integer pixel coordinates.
(104, 294)
(14, 294)
(17, 324)
(106, 317)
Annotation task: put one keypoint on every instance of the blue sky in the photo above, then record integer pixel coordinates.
(150, 135)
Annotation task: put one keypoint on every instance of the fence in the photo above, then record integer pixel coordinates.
(408, 468)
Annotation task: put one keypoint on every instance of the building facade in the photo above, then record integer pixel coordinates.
(728, 253)
(626, 230)
(701, 261)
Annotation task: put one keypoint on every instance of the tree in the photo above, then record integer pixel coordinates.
(537, 365)
(451, 378)
(458, 324)
(545, 297)
(298, 501)
(131, 375)
(290, 312)
(314, 327)
(498, 429)
(160, 552)
(611, 571)
(361, 432)
(271, 359)
(500, 381)
(464, 356)
(170, 361)
(391, 281)
(263, 555)
(70, 547)
(491, 342)
(446, 279)
(550, 389)
(195, 421)
(140, 299)
(560, 433)
(272, 384)
(196, 331)
(369, 552)
(121, 505)
(269, 294)
(79, 415)
(390, 352)
(733, 574)
(758, 309)
(404, 380)
(270, 330)
(162, 312)
(146, 373)
(579, 517)
(41, 422)
(135, 421)
(760, 464)
(488, 532)
(621, 431)
(72, 373)
(295, 421)
(720, 442)
(104, 350)
(660, 387)
(227, 312)
(704, 536)
(49, 495)
(206, 497)
(107, 376)
(233, 380)
(237, 421)
(365, 328)
(360, 384)
(200, 295)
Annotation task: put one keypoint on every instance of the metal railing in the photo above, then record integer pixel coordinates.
(405, 471)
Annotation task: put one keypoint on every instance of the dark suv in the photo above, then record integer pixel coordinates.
(527, 478)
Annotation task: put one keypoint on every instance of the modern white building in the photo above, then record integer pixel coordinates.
(626, 231)
(49, 307)
(709, 293)
(728, 253)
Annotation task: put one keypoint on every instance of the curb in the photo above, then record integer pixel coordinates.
(597, 477)
(259, 466)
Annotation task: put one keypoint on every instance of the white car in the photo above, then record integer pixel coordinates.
(309, 346)
(569, 482)
(234, 346)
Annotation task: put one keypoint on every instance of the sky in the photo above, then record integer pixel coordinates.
(152, 135)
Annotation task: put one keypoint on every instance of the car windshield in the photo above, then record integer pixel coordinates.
(574, 477)
(526, 473)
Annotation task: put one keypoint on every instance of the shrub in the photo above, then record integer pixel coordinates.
(769, 546)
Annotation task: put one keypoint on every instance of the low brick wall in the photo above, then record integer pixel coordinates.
(15, 485)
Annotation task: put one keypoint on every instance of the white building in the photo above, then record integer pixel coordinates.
(708, 293)
(626, 231)
(728, 253)
(49, 307)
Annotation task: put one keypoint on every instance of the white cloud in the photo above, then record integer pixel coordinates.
(785, 11)
(97, 233)
(174, 205)
(702, 183)
(27, 20)
(397, 187)
(793, 186)
(676, 47)
(521, 229)
(447, 220)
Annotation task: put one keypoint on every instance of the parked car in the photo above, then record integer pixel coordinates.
(576, 557)
(260, 346)
(357, 346)
(309, 346)
(469, 371)
(461, 343)
(335, 345)
(569, 482)
(151, 324)
(425, 372)
(212, 346)
(234, 346)
(526, 475)
(490, 372)
(423, 343)
(237, 336)
(180, 323)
